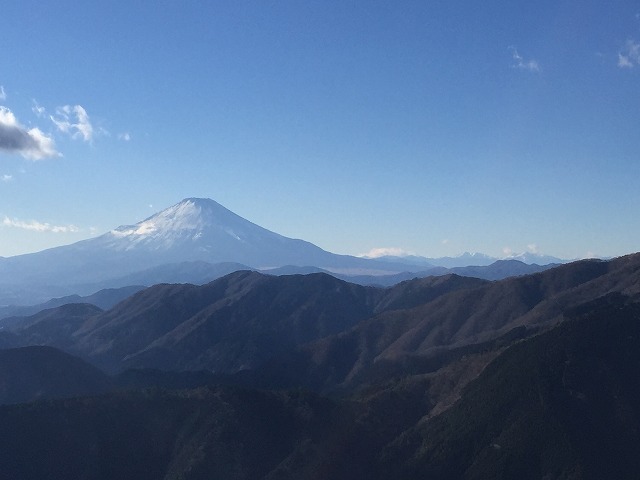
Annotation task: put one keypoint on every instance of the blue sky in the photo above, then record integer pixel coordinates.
(429, 127)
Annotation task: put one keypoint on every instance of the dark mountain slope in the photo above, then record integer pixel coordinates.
(202, 434)
(418, 291)
(236, 322)
(565, 404)
(513, 308)
(53, 326)
(31, 373)
(232, 323)
(272, 316)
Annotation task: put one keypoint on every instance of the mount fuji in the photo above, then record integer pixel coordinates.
(194, 230)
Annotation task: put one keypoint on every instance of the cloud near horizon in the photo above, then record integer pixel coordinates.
(386, 251)
(36, 226)
(73, 120)
(32, 144)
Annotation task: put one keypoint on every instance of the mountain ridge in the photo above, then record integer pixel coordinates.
(246, 318)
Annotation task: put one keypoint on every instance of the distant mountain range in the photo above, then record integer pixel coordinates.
(470, 259)
(198, 240)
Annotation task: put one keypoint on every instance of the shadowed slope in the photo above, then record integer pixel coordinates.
(393, 340)
(31, 373)
(565, 404)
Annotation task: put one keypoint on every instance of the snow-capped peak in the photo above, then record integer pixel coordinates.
(194, 223)
(188, 215)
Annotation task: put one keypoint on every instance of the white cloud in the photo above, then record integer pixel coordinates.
(385, 251)
(73, 120)
(629, 56)
(3, 94)
(522, 64)
(6, 178)
(124, 136)
(36, 226)
(533, 248)
(15, 138)
(507, 251)
(37, 109)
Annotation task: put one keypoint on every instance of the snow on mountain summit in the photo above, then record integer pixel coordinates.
(186, 215)
(198, 223)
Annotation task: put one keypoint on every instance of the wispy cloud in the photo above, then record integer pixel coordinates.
(6, 178)
(521, 64)
(629, 56)
(38, 109)
(3, 94)
(36, 226)
(15, 138)
(386, 251)
(124, 136)
(73, 120)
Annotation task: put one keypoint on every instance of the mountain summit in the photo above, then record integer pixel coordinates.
(196, 228)
(202, 229)
(193, 230)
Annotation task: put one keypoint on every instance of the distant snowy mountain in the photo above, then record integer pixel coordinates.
(464, 260)
(199, 229)
(469, 259)
(202, 225)
(193, 230)
(535, 258)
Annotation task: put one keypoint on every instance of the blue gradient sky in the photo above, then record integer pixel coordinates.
(432, 127)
